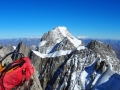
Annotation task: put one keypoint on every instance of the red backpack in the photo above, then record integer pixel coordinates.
(15, 73)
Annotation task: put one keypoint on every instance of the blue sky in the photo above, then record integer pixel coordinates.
(92, 18)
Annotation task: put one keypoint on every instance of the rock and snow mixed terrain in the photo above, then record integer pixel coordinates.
(32, 42)
(63, 62)
(58, 39)
(77, 67)
(115, 44)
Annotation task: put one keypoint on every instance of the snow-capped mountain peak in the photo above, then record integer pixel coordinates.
(62, 31)
(55, 36)
(61, 28)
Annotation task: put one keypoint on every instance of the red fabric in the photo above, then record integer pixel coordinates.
(14, 78)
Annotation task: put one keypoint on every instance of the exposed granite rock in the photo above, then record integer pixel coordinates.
(115, 44)
(65, 44)
(97, 65)
(45, 37)
(1, 46)
(3, 52)
(37, 62)
(105, 52)
(100, 66)
(35, 84)
(46, 67)
(10, 48)
(101, 48)
(22, 48)
(48, 45)
(53, 35)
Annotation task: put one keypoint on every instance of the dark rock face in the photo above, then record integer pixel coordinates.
(22, 48)
(46, 67)
(65, 44)
(3, 52)
(101, 48)
(1, 46)
(31, 85)
(115, 44)
(100, 66)
(44, 49)
(105, 52)
(52, 35)
(97, 65)
(45, 37)
(37, 62)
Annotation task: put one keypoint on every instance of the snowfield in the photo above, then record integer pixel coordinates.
(54, 54)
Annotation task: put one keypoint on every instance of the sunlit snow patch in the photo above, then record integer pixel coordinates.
(42, 43)
(54, 54)
(14, 47)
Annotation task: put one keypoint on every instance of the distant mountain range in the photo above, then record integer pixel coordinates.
(15, 41)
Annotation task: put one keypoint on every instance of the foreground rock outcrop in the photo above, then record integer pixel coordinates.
(22, 48)
(3, 52)
(33, 83)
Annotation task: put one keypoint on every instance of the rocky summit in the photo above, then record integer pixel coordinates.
(58, 39)
(62, 62)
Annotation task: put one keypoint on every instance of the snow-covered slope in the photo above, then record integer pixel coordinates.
(64, 32)
(54, 54)
(57, 53)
